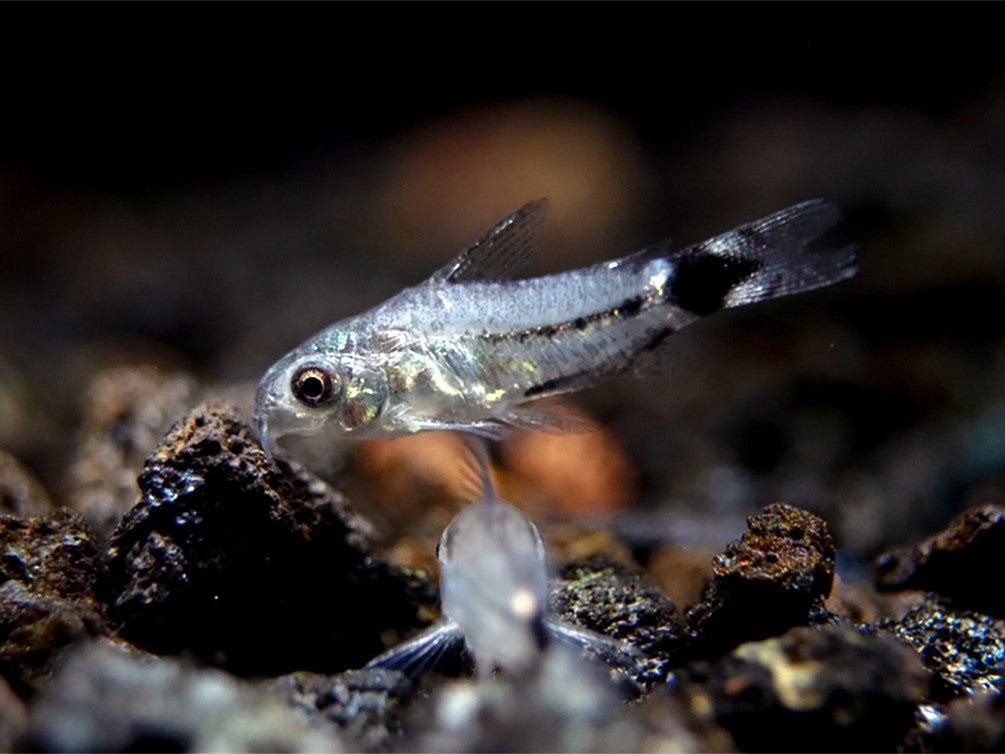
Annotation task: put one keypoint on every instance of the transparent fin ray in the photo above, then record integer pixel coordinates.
(605, 648)
(502, 251)
(475, 479)
(784, 253)
(490, 429)
(552, 416)
(439, 648)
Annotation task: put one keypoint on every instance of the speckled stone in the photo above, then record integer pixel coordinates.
(965, 649)
(776, 576)
(257, 567)
(956, 563)
(52, 585)
(623, 602)
(811, 689)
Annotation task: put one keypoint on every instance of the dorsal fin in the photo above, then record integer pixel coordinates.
(502, 251)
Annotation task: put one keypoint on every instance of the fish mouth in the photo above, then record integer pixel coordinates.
(260, 426)
(265, 409)
(271, 421)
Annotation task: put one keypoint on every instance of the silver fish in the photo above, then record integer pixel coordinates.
(494, 595)
(470, 347)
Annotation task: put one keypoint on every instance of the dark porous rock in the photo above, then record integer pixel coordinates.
(623, 602)
(774, 577)
(366, 705)
(107, 697)
(965, 649)
(52, 582)
(250, 565)
(20, 493)
(957, 563)
(34, 629)
(812, 689)
(127, 410)
(54, 555)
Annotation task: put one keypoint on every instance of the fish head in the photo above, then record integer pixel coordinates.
(305, 393)
(494, 583)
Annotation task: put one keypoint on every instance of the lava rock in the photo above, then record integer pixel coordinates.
(366, 705)
(966, 650)
(623, 602)
(776, 576)
(54, 555)
(110, 698)
(957, 563)
(20, 492)
(127, 410)
(249, 564)
(35, 629)
(811, 689)
(52, 581)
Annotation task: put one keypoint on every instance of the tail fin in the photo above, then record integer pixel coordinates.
(777, 255)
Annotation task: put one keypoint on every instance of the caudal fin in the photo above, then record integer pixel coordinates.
(778, 255)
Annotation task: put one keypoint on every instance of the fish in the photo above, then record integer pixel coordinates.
(475, 349)
(494, 585)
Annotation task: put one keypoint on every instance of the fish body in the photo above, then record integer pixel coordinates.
(494, 583)
(493, 595)
(471, 348)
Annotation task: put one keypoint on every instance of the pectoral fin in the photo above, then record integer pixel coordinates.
(439, 648)
(609, 650)
(549, 416)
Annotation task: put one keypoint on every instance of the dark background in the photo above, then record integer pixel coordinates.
(203, 186)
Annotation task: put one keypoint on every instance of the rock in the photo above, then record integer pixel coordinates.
(827, 689)
(366, 705)
(966, 650)
(53, 580)
(54, 555)
(20, 493)
(109, 698)
(622, 602)
(956, 563)
(774, 577)
(34, 629)
(257, 567)
(127, 410)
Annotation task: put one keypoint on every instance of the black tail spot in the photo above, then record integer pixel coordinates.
(702, 280)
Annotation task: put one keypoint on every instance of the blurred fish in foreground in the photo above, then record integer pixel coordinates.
(494, 595)
(470, 348)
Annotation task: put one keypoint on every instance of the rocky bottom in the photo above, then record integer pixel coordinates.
(232, 605)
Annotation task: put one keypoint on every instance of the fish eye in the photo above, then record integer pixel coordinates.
(313, 385)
